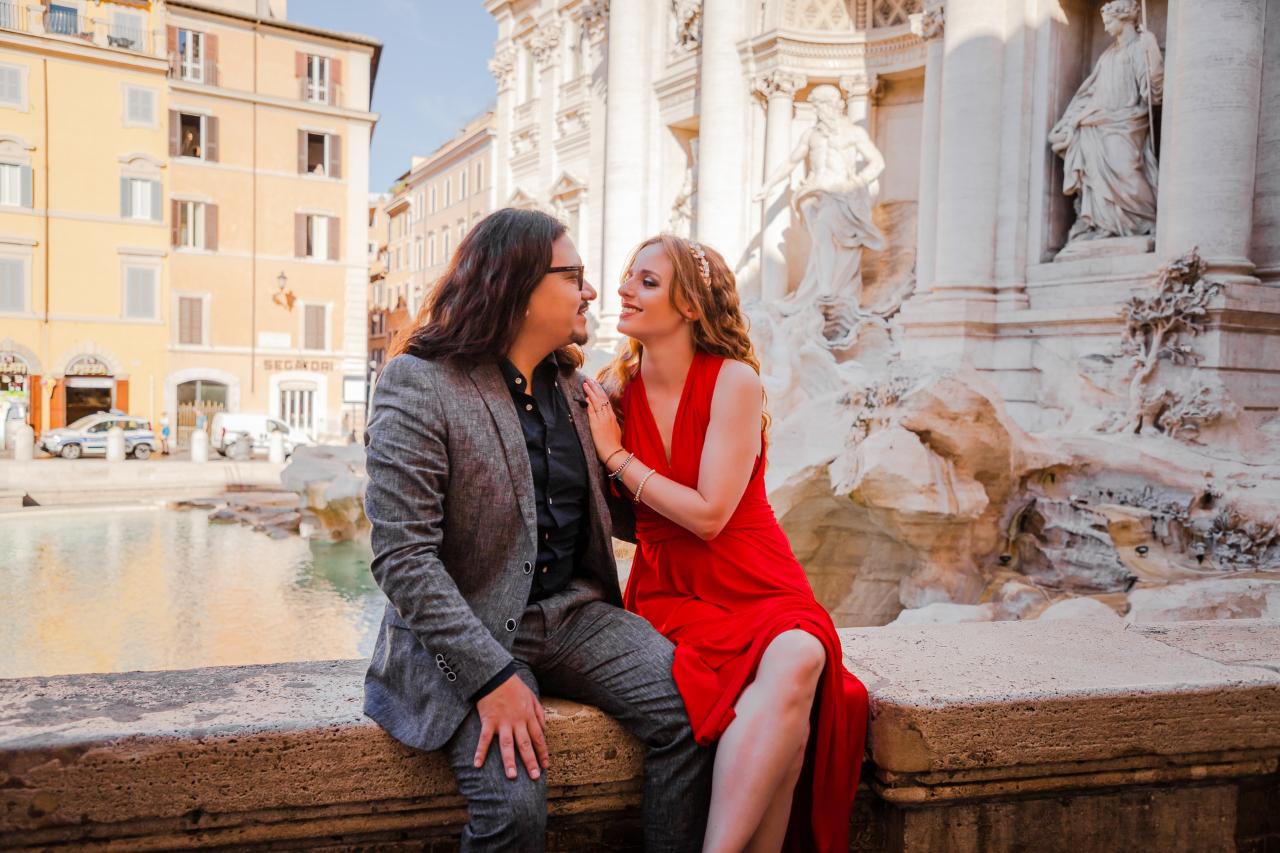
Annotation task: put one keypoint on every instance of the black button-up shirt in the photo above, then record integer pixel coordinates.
(559, 485)
(559, 474)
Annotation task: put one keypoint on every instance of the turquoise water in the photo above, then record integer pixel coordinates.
(145, 589)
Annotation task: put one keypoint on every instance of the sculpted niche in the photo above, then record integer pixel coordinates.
(1104, 137)
(834, 202)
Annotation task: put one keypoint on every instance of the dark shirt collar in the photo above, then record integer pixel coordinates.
(515, 381)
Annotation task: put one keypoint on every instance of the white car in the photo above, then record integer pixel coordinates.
(88, 436)
(226, 427)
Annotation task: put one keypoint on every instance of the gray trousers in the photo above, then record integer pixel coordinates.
(577, 647)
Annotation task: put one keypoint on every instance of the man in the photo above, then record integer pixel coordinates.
(491, 539)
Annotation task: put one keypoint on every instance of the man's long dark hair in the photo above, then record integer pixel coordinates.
(480, 301)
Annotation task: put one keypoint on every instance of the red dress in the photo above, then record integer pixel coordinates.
(722, 602)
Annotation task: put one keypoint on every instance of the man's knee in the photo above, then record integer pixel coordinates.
(510, 810)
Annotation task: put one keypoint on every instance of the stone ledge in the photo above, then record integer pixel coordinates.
(984, 714)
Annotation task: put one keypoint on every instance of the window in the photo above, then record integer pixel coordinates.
(462, 185)
(316, 236)
(12, 86)
(13, 284)
(140, 199)
(431, 249)
(190, 320)
(431, 195)
(448, 186)
(319, 154)
(191, 136)
(462, 229)
(479, 175)
(139, 107)
(317, 80)
(297, 405)
(15, 184)
(140, 292)
(191, 51)
(313, 331)
(63, 20)
(191, 224)
(126, 31)
(444, 244)
(418, 256)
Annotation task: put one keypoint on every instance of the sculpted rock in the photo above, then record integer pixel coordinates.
(331, 482)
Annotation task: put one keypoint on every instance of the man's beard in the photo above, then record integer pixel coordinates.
(579, 338)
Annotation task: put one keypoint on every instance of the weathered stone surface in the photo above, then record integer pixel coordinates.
(1079, 608)
(1005, 694)
(1224, 598)
(942, 613)
(1001, 726)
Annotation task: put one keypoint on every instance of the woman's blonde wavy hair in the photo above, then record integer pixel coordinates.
(719, 327)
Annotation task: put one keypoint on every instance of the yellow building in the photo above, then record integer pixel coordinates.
(183, 209)
(268, 140)
(84, 173)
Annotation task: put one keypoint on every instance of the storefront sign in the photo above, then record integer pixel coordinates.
(88, 366)
(314, 364)
(12, 365)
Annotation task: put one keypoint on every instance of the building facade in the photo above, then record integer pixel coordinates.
(198, 242)
(966, 249)
(84, 175)
(269, 125)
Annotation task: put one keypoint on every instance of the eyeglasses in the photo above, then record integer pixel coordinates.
(578, 270)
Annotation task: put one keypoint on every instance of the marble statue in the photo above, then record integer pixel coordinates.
(1104, 137)
(834, 202)
(680, 222)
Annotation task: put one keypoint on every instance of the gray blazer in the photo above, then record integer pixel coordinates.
(450, 497)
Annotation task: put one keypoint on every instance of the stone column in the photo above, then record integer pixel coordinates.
(778, 88)
(859, 91)
(502, 66)
(969, 152)
(1208, 157)
(721, 170)
(624, 163)
(928, 25)
(545, 44)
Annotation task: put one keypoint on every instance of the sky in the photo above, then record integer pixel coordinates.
(433, 76)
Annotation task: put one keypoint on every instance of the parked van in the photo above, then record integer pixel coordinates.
(226, 427)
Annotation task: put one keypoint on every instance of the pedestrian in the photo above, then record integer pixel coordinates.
(164, 434)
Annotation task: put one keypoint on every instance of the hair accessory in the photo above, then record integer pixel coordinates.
(704, 268)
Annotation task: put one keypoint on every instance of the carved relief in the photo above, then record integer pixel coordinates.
(686, 15)
(930, 23)
(594, 15)
(544, 41)
(778, 81)
(893, 13)
(503, 66)
(819, 15)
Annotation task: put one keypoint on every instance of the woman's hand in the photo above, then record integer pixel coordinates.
(605, 431)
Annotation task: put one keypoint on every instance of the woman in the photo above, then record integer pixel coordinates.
(757, 659)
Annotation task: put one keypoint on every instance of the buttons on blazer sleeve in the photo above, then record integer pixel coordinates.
(511, 624)
(528, 567)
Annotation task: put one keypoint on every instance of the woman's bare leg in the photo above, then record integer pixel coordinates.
(757, 753)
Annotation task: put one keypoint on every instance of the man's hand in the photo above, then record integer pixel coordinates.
(514, 714)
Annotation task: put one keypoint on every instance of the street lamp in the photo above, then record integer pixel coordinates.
(281, 281)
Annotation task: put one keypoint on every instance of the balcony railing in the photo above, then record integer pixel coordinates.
(11, 15)
(200, 71)
(63, 21)
(67, 22)
(326, 93)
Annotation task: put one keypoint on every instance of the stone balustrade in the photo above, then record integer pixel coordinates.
(1065, 735)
